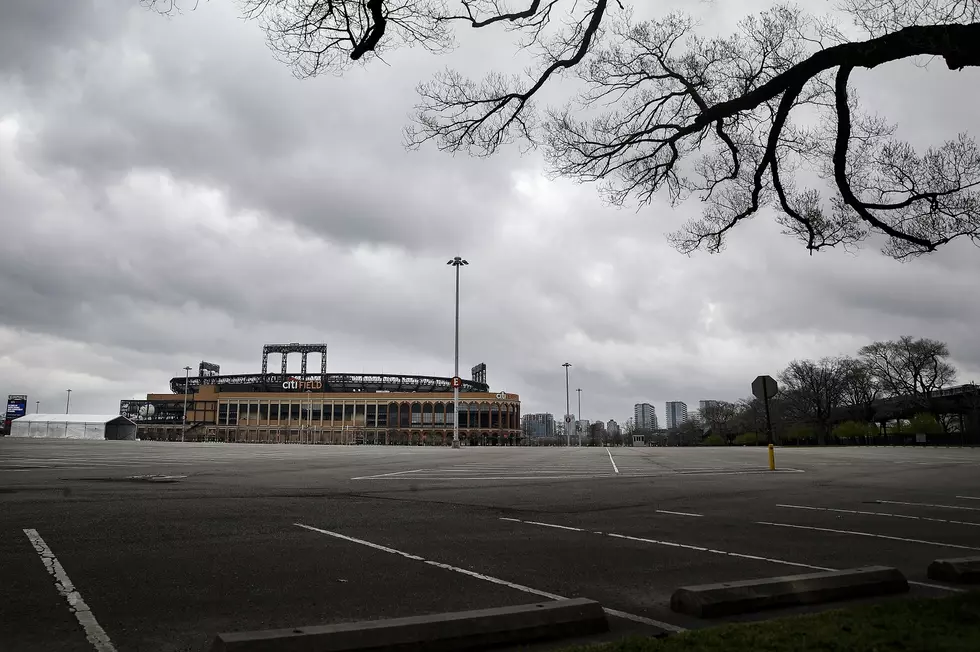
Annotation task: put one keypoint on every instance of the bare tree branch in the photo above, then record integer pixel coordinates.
(736, 121)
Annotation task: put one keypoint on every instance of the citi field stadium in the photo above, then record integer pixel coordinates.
(325, 408)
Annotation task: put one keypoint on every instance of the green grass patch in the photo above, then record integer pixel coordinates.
(946, 625)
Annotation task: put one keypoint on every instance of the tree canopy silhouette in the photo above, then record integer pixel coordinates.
(763, 118)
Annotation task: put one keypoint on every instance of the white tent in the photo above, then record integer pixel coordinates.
(73, 426)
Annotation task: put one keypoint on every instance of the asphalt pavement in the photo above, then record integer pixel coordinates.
(159, 546)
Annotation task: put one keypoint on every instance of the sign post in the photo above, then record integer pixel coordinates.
(764, 388)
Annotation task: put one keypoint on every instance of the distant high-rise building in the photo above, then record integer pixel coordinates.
(675, 413)
(644, 416)
(538, 425)
(612, 427)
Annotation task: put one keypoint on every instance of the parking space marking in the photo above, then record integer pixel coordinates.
(667, 511)
(478, 475)
(862, 513)
(93, 631)
(612, 461)
(488, 578)
(898, 502)
(969, 497)
(387, 475)
(480, 478)
(674, 544)
(869, 534)
(557, 527)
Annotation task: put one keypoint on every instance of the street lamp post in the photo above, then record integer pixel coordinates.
(578, 421)
(183, 425)
(568, 408)
(68, 402)
(309, 416)
(456, 262)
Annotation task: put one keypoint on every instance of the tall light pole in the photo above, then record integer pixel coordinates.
(309, 416)
(183, 425)
(68, 402)
(568, 408)
(579, 419)
(456, 262)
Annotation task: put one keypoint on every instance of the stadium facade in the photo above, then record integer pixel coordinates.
(325, 408)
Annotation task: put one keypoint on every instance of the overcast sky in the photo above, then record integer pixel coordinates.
(170, 193)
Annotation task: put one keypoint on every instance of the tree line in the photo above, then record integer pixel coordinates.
(833, 398)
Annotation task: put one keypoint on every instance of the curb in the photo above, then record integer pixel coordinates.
(963, 570)
(729, 598)
(461, 630)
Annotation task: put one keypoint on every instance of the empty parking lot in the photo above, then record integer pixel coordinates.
(168, 544)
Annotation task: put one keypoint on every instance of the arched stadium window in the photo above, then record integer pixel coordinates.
(390, 416)
(404, 417)
(484, 415)
(427, 414)
(440, 413)
(416, 414)
(494, 415)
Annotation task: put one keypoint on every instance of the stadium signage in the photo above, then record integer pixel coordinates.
(293, 383)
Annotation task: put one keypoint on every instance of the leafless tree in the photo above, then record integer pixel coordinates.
(664, 108)
(688, 433)
(861, 389)
(721, 419)
(814, 389)
(910, 368)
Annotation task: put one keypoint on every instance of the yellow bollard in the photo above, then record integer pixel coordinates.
(772, 458)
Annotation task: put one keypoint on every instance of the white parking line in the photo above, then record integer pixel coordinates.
(388, 475)
(488, 578)
(612, 461)
(480, 478)
(898, 502)
(969, 497)
(450, 476)
(558, 527)
(854, 511)
(93, 631)
(667, 511)
(673, 544)
(869, 534)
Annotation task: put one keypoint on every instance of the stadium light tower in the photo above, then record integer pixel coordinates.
(578, 428)
(68, 402)
(183, 425)
(456, 262)
(568, 409)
